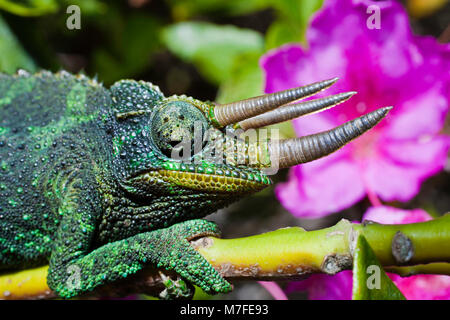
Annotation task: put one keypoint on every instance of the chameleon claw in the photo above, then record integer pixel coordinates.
(186, 261)
(175, 289)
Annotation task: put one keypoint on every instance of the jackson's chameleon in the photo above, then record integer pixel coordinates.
(88, 179)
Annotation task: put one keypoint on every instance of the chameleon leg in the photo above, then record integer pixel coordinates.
(164, 248)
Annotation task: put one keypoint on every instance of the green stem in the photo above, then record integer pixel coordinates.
(294, 252)
(430, 240)
(289, 253)
(431, 268)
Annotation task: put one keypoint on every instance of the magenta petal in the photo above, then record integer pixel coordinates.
(291, 66)
(391, 215)
(386, 66)
(281, 66)
(392, 181)
(427, 152)
(423, 115)
(343, 21)
(423, 287)
(325, 287)
(314, 123)
(313, 193)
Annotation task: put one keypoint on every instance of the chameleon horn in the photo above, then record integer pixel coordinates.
(294, 151)
(234, 112)
(294, 110)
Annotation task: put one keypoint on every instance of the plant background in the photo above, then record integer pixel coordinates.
(206, 49)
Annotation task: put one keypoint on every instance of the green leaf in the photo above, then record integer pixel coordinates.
(132, 41)
(245, 80)
(281, 32)
(30, 7)
(183, 10)
(12, 56)
(296, 10)
(292, 22)
(212, 48)
(370, 282)
(87, 7)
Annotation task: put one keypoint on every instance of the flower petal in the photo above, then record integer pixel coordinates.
(429, 155)
(423, 287)
(422, 116)
(313, 191)
(392, 181)
(386, 66)
(391, 215)
(325, 287)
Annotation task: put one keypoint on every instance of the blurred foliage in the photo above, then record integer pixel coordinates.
(129, 43)
(30, 7)
(132, 39)
(184, 10)
(12, 54)
(212, 48)
(125, 37)
(242, 77)
(424, 8)
(42, 7)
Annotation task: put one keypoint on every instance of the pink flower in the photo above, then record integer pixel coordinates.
(339, 286)
(325, 287)
(386, 66)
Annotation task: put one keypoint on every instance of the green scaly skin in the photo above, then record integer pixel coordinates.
(82, 186)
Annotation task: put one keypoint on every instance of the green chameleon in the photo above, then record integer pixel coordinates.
(94, 180)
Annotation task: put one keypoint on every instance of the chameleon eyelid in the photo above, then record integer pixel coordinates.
(125, 115)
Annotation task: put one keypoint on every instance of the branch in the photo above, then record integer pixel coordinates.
(289, 253)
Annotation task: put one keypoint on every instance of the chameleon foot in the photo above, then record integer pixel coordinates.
(175, 253)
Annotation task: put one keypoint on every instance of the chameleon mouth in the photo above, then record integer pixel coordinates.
(219, 181)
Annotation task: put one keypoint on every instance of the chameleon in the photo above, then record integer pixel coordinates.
(93, 179)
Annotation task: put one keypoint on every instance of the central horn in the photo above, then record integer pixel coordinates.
(293, 151)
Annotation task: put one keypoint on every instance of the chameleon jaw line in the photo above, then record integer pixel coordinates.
(215, 183)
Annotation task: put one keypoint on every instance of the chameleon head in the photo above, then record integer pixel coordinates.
(179, 144)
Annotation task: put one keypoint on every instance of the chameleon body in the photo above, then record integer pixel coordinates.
(101, 182)
(88, 184)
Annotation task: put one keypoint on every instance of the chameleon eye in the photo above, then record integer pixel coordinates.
(177, 129)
